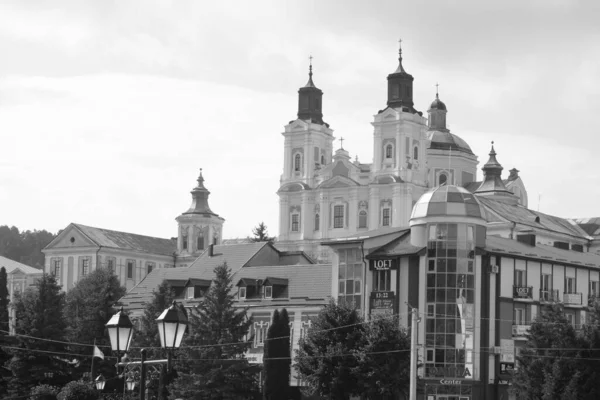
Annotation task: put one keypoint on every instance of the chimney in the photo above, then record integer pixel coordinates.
(210, 250)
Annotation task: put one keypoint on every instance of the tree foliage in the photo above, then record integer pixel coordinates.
(44, 392)
(4, 300)
(261, 234)
(277, 361)
(78, 390)
(25, 247)
(216, 368)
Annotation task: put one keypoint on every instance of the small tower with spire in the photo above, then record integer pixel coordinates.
(492, 185)
(310, 100)
(437, 113)
(198, 227)
(400, 86)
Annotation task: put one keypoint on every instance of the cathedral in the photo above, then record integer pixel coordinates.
(324, 195)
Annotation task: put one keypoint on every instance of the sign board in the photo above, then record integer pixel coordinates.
(383, 303)
(520, 330)
(507, 350)
(522, 292)
(254, 358)
(507, 368)
(572, 298)
(384, 264)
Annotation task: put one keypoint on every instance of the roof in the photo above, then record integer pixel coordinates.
(443, 140)
(276, 281)
(370, 239)
(127, 241)
(590, 225)
(398, 247)
(12, 265)
(524, 216)
(509, 247)
(448, 200)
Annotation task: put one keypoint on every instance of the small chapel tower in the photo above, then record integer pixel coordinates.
(198, 227)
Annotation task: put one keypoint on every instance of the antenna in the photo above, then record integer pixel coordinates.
(539, 201)
(450, 166)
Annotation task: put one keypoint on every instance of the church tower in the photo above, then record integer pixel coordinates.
(198, 227)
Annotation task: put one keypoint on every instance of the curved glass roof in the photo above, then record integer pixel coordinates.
(448, 200)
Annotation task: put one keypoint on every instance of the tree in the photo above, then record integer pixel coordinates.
(44, 392)
(326, 355)
(4, 317)
(88, 306)
(277, 361)
(212, 364)
(261, 234)
(549, 366)
(26, 246)
(383, 359)
(78, 390)
(162, 298)
(39, 316)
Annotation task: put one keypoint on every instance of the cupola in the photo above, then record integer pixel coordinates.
(310, 101)
(400, 88)
(492, 184)
(200, 199)
(437, 115)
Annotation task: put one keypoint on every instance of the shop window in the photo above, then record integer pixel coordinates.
(350, 277)
(382, 280)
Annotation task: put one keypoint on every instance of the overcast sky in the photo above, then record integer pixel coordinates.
(109, 108)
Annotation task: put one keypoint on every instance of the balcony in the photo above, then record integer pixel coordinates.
(522, 292)
(592, 298)
(575, 299)
(549, 296)
(520, 330)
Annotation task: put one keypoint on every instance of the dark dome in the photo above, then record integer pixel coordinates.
(447, 141)
(437, 104)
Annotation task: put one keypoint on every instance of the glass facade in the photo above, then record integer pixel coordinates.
(350, 277)
(450, 301)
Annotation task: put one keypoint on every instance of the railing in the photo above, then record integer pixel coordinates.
(520, 330)
(573, 298)
(522, 292)
(593, 297)
(550, 296)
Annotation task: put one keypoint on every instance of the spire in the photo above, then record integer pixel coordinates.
(400, 87)
(310, 100)
(400, 68)
(492, 183)
(200, 199)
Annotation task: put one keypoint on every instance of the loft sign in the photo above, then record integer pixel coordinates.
(383, 264)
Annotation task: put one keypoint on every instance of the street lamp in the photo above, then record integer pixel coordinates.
(130, 383)
(100, 382)
(172, 324)
(120, 330)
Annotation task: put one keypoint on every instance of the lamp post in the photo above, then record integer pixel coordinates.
(100, 382)
(172, 324)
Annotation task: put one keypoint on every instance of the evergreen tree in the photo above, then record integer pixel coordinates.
(326, 357)
(544, 373)
(261, 234)
(277, 360)
(4, 300)
(212, 364)
(39, 315)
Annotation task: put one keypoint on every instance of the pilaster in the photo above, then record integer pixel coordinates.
(373, 208)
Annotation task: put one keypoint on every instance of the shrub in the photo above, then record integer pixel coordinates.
(78, 390)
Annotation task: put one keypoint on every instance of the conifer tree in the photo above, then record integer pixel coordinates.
(261, 234)
(212, 365)
(277, 360)
(4, 317)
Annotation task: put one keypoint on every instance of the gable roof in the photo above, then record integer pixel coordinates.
(12, 266)
(122, 240)
(590, 225)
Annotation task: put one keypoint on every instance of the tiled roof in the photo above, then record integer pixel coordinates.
(399, 247)
(500, 245)
(473, 186)
(128, 241)
(11, 265)
(525, 216)
(590, 225)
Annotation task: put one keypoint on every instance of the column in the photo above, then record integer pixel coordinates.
(306, 216)
(283, 217)
(397, 205)
(287, 159)
(324, 206)
(353, 210)
(377, 149)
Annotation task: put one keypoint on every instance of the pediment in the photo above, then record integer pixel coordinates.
(389, 114)
(71, 236)
(338, 182)
(298, 125)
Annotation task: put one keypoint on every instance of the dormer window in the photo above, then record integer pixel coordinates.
(268, 292)
(190, 293)
(242, 292)
(275, 288)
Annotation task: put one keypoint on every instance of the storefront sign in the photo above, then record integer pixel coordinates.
(383, 264)
(254, 358)
(450, 372)
(450, 381)
(522, 292)
(382, 302)
(507, 350)
(520, 330)
(506, 367)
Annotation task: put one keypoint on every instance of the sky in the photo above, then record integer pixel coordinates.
(109, 108)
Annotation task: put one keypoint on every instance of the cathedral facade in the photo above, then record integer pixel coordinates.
(325, 195)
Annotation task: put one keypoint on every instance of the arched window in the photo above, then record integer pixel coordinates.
(317, 222)
(297, 162)
(388, 151)
(416, 153)
(184, 242)
(442, 179)
(200, 241)
(362, 219)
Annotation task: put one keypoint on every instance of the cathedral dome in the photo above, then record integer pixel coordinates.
(444, 140)
(448, 201)
(437, 104)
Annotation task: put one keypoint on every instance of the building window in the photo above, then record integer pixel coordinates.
(382, 280)
(85, 266)
(200, 241)
(149, 268)
(110, 264)
(297, 162)
(520, 316)
(442, 179)
(350, 277)
(56, 269)
(190, 292)
(338, 216)
(129, 269)
(388, 151)
(317, 222)
(386, 217)
(569, 285)
(184, 242)
(323, 160)
(295, 222)
(520, 278)
(362, 219)
(260, 333)
(268, 292)
(570, 317)
(242, 292)
(416, 153)
(546, 287)
(594, 286)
